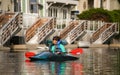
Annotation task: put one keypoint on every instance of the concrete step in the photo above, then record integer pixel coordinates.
(2, 48)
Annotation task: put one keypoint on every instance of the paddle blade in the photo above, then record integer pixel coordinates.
(29, 54)
(76, 51)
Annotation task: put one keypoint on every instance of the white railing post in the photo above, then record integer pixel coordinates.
(89, 26)
(93, 25)
(0, 37)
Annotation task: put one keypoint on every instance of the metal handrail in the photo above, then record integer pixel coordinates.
(31, 31)
(109, 32)
(9, 28)
(39, 30)
(99, 31)
(45, 30)
(66, 30)
(77, 31)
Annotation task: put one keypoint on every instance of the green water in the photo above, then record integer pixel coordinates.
(93, 61)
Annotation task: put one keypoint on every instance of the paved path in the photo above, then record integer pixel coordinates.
(35, 46)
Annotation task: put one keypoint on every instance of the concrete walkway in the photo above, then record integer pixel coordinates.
(35, 46)
(71, 46)
(2, 48)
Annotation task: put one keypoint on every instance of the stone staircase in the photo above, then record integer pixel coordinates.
(101, 35)
(39, 30)
(73, 31)
(10, 24)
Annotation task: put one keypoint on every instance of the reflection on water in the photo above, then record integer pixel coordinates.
(77, 68)
(57, 68)
(101, 62)
(96, 61)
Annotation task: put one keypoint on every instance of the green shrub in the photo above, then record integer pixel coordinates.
(116, 18)
(119, 1)
(95, 14)
(101, 14)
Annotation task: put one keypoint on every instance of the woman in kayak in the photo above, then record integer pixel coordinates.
(57, 47)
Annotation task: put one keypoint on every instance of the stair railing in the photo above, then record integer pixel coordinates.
(113, 29)
(7, 30)
(76, 32)
(31, 31)
(99, 31)
(45, 30)
(66, 30)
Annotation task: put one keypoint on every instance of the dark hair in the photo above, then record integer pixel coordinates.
(57, 38)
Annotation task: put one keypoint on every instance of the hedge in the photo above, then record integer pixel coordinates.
(119, 1)
(101, 14)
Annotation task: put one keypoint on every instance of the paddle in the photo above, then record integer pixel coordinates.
(29, 54)
(76, 51)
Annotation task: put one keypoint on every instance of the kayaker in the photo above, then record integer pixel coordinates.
(57, 47)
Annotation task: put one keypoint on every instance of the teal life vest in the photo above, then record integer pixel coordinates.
(58, 48)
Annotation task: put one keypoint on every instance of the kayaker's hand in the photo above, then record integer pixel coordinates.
(58, 52)
(64, 53)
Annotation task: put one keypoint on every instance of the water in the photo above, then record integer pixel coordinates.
(96, 61)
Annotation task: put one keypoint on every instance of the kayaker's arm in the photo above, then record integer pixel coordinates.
(63, 48)
(48, 43)
(52, 49)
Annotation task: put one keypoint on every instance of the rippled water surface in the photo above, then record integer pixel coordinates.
(96, 61)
